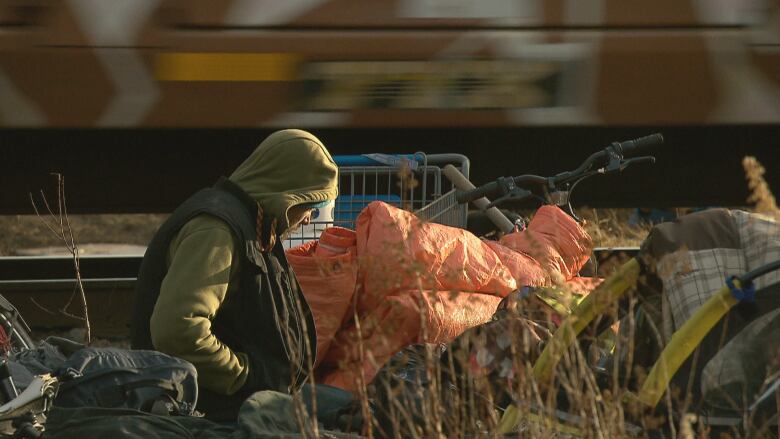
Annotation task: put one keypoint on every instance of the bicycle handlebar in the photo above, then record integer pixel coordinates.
(640, 144)
(477, 193)
(615, 151)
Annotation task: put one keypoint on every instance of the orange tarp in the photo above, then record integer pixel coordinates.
(409, 281)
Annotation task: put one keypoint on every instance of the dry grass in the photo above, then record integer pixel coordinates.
(425, 406)
(610, 228)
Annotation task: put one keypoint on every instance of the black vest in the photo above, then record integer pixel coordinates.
(252, 319)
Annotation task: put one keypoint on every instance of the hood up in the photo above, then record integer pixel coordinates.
(289, 167)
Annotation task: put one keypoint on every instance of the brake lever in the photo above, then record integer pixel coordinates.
(618, 163)
(644, 159)
(614, 160)
(514, 194)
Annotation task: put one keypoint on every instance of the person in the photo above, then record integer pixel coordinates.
(215, 288)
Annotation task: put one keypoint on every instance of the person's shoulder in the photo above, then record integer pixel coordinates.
(205, 223)
(202, 233)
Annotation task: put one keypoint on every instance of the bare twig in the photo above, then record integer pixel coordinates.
(59, 224)
(43, 308)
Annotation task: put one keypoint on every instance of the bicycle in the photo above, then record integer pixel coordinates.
(553, 190)
(584, 317)
(14, 333)
(557, 189)
(24, 416)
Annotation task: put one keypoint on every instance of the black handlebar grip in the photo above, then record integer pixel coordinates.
(642, 143)
(475, 194)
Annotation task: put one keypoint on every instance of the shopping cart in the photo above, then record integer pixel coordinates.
(412, 182)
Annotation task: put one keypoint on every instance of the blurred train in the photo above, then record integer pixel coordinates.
(362, 63)
(357, 64)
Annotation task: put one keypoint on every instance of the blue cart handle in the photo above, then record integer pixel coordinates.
(378, 160)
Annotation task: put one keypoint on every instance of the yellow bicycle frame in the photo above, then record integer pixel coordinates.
(680, 347)
(683, 342)
(592, 306)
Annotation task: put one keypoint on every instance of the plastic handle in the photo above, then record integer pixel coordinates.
(366, 160)
(642, 143)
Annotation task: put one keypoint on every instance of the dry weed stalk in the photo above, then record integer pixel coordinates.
(59, 225)
(760, 194)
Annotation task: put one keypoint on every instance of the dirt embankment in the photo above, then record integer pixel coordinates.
(28, 234)
(21, 233)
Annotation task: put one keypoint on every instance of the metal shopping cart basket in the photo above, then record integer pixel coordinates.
(412, 182)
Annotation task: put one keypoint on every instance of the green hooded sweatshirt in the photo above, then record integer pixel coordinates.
(288, 168)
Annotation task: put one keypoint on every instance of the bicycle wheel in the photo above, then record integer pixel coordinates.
(14, 332)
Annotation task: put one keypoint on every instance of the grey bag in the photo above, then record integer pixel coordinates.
(149, 381)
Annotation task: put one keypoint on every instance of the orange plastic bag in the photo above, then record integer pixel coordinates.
(413, 282)
(401, 320)
(327, 273)
(555, 241)
(398, 252)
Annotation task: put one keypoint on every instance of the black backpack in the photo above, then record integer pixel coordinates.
(149, 381)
